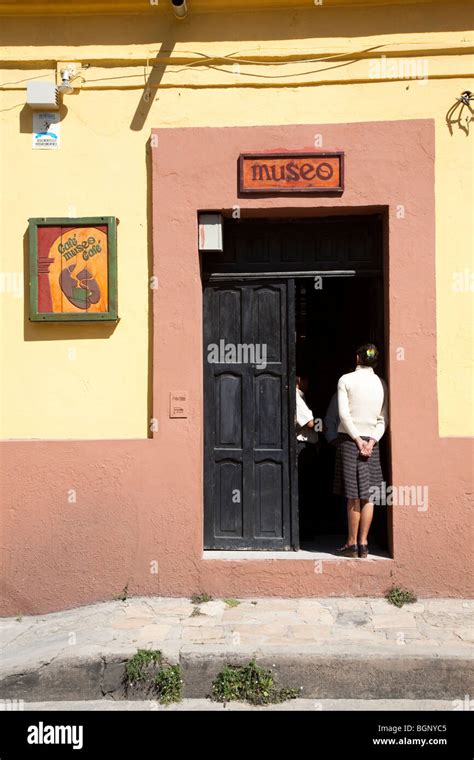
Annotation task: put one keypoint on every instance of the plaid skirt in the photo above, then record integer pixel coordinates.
(354, 474)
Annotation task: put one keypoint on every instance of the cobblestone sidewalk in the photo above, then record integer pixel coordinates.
(429, 628)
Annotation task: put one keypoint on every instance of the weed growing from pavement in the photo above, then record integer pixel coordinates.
(147, 671)
(201, 598)
(232, 602)
(249, 683)
(196, 611)
(136, 668)
(400, 596)
(168, 684)
(123, 596)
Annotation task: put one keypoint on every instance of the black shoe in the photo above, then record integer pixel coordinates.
(363, 551)
(348, 551)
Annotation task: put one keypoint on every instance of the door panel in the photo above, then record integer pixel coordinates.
(269, 321)
(268, 407)
(229, 313)
(269, 499)
(229, 481)
(228, 399)
(247, 407)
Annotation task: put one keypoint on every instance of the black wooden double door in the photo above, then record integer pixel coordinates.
(249, 399)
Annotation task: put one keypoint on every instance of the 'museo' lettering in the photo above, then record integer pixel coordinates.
(299, 172)
(292, 171)
(71, 247)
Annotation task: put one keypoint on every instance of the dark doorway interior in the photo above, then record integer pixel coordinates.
(334, 315)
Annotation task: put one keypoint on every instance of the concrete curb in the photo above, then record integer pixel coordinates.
(320, 676)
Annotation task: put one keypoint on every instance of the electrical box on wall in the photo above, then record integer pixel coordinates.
(42, 96)
(210, 232)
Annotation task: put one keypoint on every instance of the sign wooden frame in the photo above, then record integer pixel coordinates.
(293, 157)
(90, 298)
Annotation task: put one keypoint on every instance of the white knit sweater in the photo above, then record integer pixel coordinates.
(362, 403)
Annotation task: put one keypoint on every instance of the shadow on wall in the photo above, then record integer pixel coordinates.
(149, 91)
(26, 117)
(317, 21)
(461, 113)
(151, 291)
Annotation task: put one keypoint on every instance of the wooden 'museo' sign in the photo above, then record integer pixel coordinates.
(305, 172)
(73, 269)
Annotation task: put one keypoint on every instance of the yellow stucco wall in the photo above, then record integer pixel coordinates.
(92, 381)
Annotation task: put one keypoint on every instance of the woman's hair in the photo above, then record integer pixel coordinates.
(301, 380)
(368, 355)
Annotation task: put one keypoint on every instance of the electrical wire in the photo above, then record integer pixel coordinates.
(28, 79)
(212, 62)
(17, 105)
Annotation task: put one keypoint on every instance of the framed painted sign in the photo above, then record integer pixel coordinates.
(73, 269)
(305, 172)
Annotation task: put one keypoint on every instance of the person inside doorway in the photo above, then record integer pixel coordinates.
(305, 422)
(306, 446)
(363, 413)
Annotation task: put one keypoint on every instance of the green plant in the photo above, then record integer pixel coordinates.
(168, 684)
(147, 670)
(232, 602)
(249, 683)
(137, 669)
(196, 611)
(201, 598)
(400, 596)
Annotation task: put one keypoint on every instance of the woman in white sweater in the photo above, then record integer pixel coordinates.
(363, 412)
